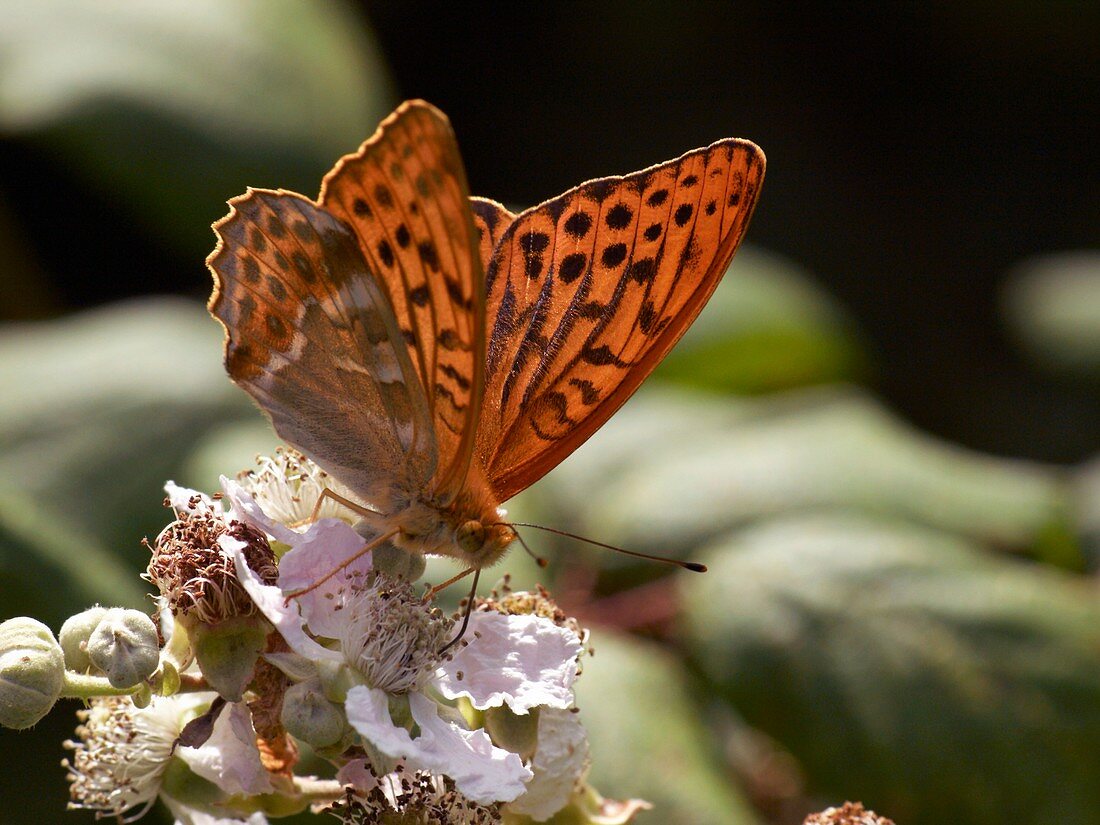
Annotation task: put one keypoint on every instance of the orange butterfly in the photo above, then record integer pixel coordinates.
(438, 354)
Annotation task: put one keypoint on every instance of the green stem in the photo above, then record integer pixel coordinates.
(82, 686)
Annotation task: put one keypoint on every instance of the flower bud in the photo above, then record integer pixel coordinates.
(125, 647)
(309, 716)
(227, 652)
(74, 637)
(396, 563)
(32, 672)
(512, 731)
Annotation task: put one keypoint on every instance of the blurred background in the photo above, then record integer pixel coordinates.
(881, 433)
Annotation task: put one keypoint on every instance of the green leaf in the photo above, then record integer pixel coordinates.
(767, 327)
(1052, 304)
(908, 669)
(671, 470)
(647, 739)
(173, 108)
(96, 412)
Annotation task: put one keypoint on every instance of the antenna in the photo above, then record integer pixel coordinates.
(695, 567)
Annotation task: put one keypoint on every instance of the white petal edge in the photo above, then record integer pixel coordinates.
(269, 599)
(560, 761)
(481, 771)
(180, 498)
(230, 758)
(522, 661)
(245, 508)
(315, 553)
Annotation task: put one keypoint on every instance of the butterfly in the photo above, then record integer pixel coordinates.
(435, 352)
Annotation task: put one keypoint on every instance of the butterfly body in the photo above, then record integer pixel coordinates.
(437, 353)
(470, 529)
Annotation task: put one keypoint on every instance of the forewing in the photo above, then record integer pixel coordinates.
(405, 197)
(311, 336)
(590, 290)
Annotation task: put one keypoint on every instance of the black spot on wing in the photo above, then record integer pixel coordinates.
(578, 224)
(619, 216)
(613, 255)
(572, 267)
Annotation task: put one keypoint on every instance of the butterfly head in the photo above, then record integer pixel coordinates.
(480, 544)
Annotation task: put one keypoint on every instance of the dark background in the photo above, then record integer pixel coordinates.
(917, 157)
(915, 154)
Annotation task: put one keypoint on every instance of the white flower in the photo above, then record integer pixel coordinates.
(287, 486)
(386, 641)
(123, 752)
(483, 772)
(523, 661)
(559, 764)
(230, 758)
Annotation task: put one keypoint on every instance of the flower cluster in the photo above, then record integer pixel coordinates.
(279, 631)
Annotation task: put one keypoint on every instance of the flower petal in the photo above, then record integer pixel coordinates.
(230, 758)
(481, 771)
(247, 510)
(358, 774)
(522, 661)
(315, 554)
(186, 500)
(269, 598)
(560, 760)
(317, 551)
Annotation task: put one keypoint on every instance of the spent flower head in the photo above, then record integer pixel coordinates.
(192, 569)
(413, 798)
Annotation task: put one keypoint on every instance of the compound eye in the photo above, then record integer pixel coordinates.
(470, 535)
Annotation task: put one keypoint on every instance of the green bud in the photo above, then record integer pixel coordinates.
(397, 563)
(125, 647)
(32, 672)
(167, 679)
(142, 697)
(512, 731)
(74, 637)
(309, 716)
(227, 652)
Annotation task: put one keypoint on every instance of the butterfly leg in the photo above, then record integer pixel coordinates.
(440, 587)
(366, 512)
(371, 545)
(466, 616)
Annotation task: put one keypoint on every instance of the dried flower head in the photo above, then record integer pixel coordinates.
(413, 799)
(850, 813)
(196, 576)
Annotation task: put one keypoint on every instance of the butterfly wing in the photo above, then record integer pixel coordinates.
(311, 336)
(404, 196)
(491, 219)
(589, 291)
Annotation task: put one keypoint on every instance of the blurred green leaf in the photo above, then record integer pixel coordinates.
(647, 739)
(906, 668)
(173, 107)
(96, 412)
(767, 327)
(1052, 305)
(672, 469)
